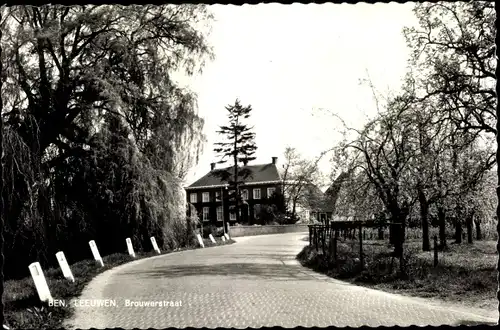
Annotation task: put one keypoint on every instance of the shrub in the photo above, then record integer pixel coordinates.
(212, 229)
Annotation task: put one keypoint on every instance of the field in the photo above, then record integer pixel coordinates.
(466, 273)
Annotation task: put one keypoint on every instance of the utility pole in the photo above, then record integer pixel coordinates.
(223, 218)
(222, 200)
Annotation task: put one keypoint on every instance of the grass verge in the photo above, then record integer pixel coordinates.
(465, 273)
(23, 309)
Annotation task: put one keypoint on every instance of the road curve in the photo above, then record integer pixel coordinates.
(253, 283)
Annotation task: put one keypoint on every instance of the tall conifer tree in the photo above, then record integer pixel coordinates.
(238, 145)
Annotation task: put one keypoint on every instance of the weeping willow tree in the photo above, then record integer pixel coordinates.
(100, 135)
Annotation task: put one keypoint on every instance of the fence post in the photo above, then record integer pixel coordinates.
(310, 233)
(63, 263)
(323, 238)
(435, 251)
(316, 238)
(335, 247)
(401, 252)
(40, 282)
(361, 246)
(331, 240)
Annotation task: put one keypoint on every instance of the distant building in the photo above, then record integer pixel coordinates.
(315, 207)
(321, 206)
(332, 196)
(208, 196)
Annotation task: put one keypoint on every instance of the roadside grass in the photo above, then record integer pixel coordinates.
(466, 273)
(24, 310)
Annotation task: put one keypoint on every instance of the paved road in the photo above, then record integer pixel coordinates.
(255, 282)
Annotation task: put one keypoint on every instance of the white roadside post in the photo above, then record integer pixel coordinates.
(155, 245)
(40, 283)
(95, 252)
(212, 239)
(63, 263)
(227, 236)
(200, 240)
(223, 238)
(130, 248)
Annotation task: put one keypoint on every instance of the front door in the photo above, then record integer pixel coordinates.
(322, 217)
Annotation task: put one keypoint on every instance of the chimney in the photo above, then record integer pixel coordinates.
(274, 160)
(212, 166)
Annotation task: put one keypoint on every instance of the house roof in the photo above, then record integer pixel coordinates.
(260, 174)
(319, 200)
(326, 201)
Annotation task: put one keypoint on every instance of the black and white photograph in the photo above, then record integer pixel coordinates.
(195, 165)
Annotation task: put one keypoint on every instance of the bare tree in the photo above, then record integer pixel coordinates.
(300, 180)
(454, 53)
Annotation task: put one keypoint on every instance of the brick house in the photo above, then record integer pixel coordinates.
(204, 195)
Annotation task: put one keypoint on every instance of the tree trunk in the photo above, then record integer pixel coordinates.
(458, 230)
(469, 229)
(2, 259)
(293, 210)
(498, 207)
(479, 235)
(236, 192)
(424, 216)
(391, 232)
(442, 227)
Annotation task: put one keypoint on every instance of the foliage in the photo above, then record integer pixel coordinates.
(357, 199)
(240, 146)
(98, 128)
(453, 81)
(463, 272)
(300, 180)
(454, 56)
(273, 209)
(428, 151)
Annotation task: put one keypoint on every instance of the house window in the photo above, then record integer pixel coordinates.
(256, 193)
(217, 195)
(232, 215)
(256, 211)
(192, 198)
(307, 214)
(206, 212)
(270, 192)
(205, 198)
(219, 213)
(244, 194)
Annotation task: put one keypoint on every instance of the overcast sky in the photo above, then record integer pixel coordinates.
(287, 61)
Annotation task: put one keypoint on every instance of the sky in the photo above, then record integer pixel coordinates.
(296, 65)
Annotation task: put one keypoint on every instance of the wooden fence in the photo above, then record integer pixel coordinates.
(325, 237)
